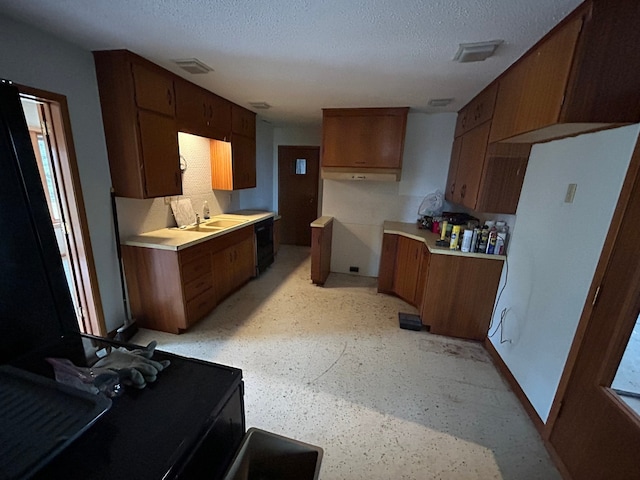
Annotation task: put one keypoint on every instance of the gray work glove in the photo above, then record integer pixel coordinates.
(135, 367)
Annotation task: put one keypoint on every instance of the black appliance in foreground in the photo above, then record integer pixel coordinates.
(264, 244)
(186, 425)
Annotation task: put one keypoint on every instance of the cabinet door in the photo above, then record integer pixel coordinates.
(243, 121)
(243, 151)
(471, 163)
(459, 295)
(160, 158)
(191, 108)
(223, 277)
(501, 184)
(478, 110)
(362, 139)
(407, 271)
(153, 90)
(422, 276)
(450, 193)
(244, 265)
(532, 92)
(219, 118)
(387, 263)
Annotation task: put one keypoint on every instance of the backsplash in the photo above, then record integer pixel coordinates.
(138, 216)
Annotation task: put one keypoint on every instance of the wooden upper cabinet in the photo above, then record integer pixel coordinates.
(233, 164)
(243, 121)
(201, 112)
(486, 177)
(581, 77)
(363, 137)
(477, 111)
(138, 112)
(153, 89)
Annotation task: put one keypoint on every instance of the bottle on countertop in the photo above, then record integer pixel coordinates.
(491, 242)
(484, 239)
(501, 240)
(455, 236)
(466, 240)
(205, 210)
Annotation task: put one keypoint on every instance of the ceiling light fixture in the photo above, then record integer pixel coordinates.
(440, 102)
(193, 65)
(260, 105)
(476, 52)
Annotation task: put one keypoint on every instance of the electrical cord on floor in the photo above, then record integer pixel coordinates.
(503, 314)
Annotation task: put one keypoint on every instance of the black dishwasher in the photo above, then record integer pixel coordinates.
(264, 244)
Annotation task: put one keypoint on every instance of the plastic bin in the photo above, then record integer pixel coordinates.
(266, 456)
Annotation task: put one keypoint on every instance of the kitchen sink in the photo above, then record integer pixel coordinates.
(223, 223)
(203, 228)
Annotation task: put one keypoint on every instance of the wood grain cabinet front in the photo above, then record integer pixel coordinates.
(402, 264)
(200, 112)
(458, 295)
(363, 138)
(138, 112)
(581, 77)
(171, 290)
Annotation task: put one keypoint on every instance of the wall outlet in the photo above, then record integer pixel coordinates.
(354, 269)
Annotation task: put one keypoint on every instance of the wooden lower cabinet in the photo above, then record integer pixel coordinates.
(171, 290)
(408, 267)
(454, 293)
(403, 264)
(459, 294)
(321, 238)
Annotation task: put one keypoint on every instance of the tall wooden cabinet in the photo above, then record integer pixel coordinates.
(138, 111)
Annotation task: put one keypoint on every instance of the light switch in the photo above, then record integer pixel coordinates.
(571, 192)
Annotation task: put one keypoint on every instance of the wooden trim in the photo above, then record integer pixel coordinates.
(631, 178)
(78, 225)
(514, 385)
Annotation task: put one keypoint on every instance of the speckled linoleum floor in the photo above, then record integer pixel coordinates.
(329, 366)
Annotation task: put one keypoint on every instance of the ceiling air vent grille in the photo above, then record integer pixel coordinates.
(193, 66)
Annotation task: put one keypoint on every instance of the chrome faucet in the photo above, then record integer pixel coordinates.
(197, 219)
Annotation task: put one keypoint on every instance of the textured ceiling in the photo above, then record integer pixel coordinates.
(301, 55)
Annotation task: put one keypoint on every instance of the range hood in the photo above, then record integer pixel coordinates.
(361, 174)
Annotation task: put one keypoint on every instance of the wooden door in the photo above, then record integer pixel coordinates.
(594, 433)
(387, 263)
(297, 192)
(450, 193)
(154, 90)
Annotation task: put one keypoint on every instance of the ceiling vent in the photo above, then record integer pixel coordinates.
(476, 52)
(260, 105)
(193, 66)
(440, 102)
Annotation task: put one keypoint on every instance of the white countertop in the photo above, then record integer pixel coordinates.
(321, 222)
(174, 238)
(411, 230)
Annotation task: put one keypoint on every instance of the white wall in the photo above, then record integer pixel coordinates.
(36, 59)
(360, 208)
(553, 254)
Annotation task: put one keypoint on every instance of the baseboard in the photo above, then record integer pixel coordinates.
(515, 386)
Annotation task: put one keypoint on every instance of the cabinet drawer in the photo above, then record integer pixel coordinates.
(200, 305)
(198, 268)
(197, 286)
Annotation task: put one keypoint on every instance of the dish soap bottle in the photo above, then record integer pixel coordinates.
(205, 210)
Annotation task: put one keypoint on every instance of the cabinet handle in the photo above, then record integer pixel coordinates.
(169, 96)
(463, 190)
(453, 188)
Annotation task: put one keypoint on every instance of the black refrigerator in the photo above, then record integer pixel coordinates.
(35, 303)
(186, 425)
